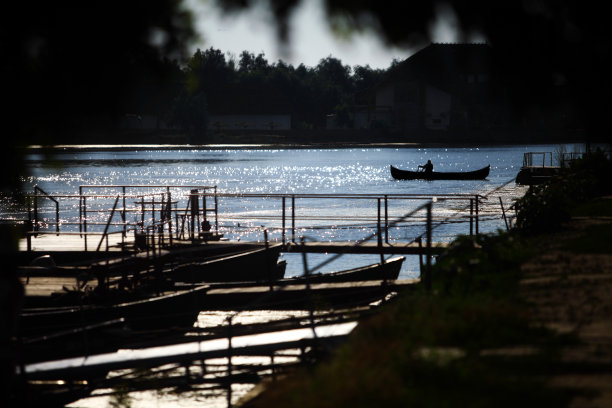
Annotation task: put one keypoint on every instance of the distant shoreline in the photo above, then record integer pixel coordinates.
(255, 146)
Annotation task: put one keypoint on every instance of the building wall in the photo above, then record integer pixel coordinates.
(437, 108)
(385, 95)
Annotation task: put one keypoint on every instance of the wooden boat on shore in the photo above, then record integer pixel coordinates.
(479, 174)
(172, 310)
(258, 265)
(389, 270)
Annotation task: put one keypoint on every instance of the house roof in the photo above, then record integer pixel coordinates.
(446, 66)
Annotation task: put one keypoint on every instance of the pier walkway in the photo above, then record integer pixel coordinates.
(53, 243)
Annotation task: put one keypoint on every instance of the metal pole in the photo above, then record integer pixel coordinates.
(35, 210)
(123, 218)
(504, 213)
(229, 362)
(80, 211)
(428, 250)
(378, 227)
(193, 199)
(471, 216)
(169, 214)
(85, 221)
(283, 226)
(216, 212)
(386, 219)
(142, 214)
(293, 219)
(420, 241)
(476, 204)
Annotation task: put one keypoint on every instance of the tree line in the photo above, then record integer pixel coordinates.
(211, 82)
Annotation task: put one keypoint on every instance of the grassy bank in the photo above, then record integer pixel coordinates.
(473, 340)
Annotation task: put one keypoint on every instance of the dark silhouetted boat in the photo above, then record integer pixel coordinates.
(389, 270)
(479, 174)
(258, 265)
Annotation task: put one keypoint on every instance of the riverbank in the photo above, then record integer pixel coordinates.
(315, 138)
(512, 319)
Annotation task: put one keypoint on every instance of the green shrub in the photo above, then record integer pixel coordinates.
(546, 207)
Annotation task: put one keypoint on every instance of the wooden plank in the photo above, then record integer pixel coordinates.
(99, 365)
(300, 296)
(412, 248)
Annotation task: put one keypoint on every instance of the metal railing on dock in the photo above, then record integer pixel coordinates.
(157, 215)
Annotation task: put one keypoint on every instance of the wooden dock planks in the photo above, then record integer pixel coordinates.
(256, 344)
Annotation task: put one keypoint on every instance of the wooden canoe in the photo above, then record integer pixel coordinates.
(479, 174)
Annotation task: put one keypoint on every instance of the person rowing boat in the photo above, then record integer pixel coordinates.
(427, 167)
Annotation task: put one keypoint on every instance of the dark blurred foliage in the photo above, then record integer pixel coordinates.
(546, 207)
(68, 62)
(557, 50)
(64, 65)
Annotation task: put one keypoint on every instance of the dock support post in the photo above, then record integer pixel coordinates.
(194, 211)
(229, 362)
(420, 242)
(476, 205)
(428, 250)
(471, 216)
(216, 212)
(386, 219)
(293, 219)
(123, 215)
(283, 222)
(85, 222)
(379, 228)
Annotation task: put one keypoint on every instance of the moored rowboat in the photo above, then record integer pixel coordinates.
(389, 270)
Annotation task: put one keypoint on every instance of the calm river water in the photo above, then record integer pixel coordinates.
(298, 171)
(289, 171)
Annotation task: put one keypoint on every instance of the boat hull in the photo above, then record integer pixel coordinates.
(380, 271)
(260, 265)
(479, 174)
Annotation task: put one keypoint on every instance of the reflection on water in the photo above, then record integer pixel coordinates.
(202, 395)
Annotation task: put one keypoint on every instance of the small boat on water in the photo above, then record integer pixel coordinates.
(479, 174)
(389, 270)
